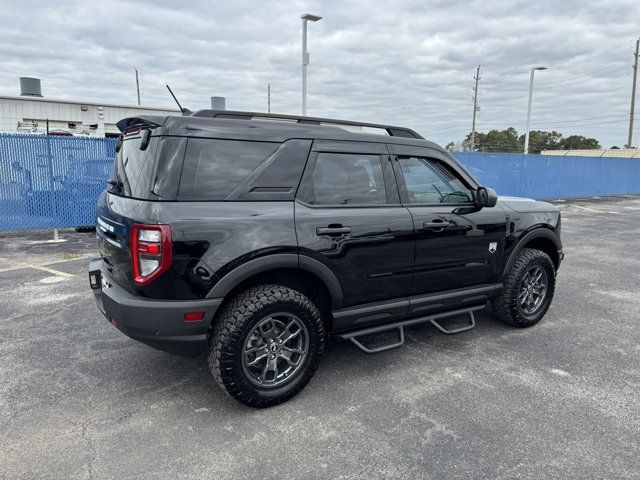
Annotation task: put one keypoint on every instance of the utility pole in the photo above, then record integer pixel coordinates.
(633, 96)
(137, 87)
(268, 98)
(475, 109)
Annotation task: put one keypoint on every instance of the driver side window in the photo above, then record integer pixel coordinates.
(432, 182)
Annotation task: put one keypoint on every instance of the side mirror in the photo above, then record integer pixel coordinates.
(486, 197)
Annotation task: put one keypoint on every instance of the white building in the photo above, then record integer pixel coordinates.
(609, 152)
(30, 113)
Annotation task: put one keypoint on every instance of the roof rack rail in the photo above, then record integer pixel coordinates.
(236, 115)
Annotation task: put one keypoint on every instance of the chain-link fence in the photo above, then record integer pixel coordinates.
(49, 181)
(552, 176)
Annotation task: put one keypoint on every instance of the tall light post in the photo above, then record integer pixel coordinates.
(306, 17)
(526, 135)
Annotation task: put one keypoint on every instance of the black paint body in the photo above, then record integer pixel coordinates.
(388, 266)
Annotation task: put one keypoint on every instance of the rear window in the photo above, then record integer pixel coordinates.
(213, 168)
(133, 168)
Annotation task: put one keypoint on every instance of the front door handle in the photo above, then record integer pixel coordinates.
(437, 224)
(333, 231)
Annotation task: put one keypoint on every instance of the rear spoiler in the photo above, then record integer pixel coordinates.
(140, 123)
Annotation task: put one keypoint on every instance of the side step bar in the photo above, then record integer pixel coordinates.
(399, 326)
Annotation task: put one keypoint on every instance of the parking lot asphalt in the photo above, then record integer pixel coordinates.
(560, 400)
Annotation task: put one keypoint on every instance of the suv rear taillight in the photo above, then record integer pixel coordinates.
(151, 251)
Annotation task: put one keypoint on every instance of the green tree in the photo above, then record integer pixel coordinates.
(457, 147)
(508, 141)
(578, 142)
(495, 141)
(540, 140)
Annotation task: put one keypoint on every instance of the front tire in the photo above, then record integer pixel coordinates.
(266, 345)
(528, 289)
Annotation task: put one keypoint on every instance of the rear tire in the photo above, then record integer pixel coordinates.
(528, 289)
(270, 329)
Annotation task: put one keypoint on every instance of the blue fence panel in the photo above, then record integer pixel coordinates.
(51, 181)
(551, 176)
(54, 181)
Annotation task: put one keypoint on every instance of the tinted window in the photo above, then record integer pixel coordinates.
(213, 168)
(133, 168)
(430, 181)
(346, 179)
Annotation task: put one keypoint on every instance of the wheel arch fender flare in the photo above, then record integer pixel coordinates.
(276, 261)
(539, 232)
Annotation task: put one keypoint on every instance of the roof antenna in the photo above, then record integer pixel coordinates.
(185, 111)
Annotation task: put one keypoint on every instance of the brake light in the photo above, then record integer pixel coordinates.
(151, 251)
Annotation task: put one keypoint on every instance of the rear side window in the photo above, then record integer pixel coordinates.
(213, 168)
(345, 179)
(133, 168)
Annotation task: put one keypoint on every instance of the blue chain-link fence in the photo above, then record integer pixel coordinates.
(552, 176)
(49, 181)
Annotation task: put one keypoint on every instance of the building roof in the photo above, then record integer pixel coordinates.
(608, 152)
(75, 102)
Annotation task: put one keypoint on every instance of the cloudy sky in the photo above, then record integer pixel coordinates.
(401, 62)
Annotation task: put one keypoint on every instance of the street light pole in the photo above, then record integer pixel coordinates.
(306, 17)
(526, 135)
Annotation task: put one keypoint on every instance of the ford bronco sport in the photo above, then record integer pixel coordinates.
(252, 238)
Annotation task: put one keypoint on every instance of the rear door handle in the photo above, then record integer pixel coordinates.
(436, 224)
(332, 231)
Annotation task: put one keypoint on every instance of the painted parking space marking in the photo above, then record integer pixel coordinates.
(54, 271)
(44, 266)
(588, 209)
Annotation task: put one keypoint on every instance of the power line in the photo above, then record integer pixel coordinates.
(600, 55)
(580, 77)
(560, 123)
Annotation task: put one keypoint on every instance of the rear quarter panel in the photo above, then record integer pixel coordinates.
(219, 236)
(209, 240)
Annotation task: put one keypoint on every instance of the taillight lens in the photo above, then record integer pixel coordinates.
(151, 251)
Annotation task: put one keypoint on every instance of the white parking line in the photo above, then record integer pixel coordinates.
(54, 272)
(587, 209)
(45, 265)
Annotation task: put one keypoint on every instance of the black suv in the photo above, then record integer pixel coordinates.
(252, 238)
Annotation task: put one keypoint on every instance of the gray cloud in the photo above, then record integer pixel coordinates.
(402, 62)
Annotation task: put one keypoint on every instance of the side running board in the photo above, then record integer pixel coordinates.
(355, 336)
(453, 331)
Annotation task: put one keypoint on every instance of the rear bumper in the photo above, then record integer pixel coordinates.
(157, 323)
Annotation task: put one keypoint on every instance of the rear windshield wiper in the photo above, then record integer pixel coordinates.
(117, 184)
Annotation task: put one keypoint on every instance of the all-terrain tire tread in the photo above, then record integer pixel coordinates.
(505, 306)
(226, 332)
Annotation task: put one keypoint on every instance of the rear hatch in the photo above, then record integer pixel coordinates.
(127, 198)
